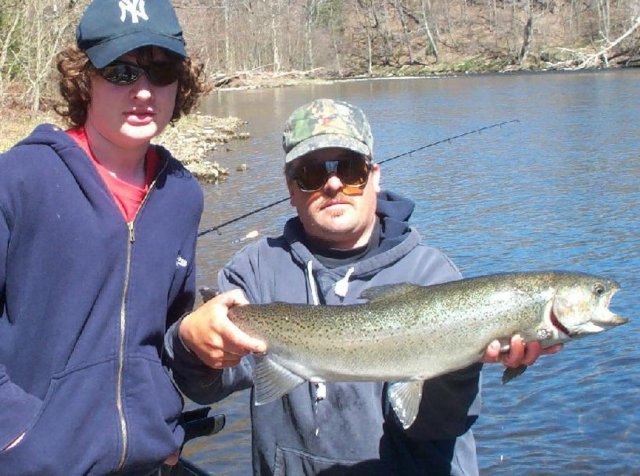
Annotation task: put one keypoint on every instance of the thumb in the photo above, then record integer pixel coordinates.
(243, 340)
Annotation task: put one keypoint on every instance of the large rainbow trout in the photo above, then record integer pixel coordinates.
(406, 333)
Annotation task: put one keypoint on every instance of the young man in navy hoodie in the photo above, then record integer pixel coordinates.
(97, 254)
(348, 236)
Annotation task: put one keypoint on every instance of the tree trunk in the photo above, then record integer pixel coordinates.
(308, 33)
(526, 42)
(405, 34)
(274, 36)
(364, 14)
(5, 51)
(426, 7)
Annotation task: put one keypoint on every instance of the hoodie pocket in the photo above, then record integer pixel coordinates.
(23, 410)
(63, 437)
(290, 461)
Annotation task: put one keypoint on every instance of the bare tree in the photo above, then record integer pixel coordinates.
(601, 57)
(425, 11)
(387, 33)
(526, 42)
(604, 17)
(311, 11)
(38, 30)
(8, 37)
(228, 58)
(235, 37)
(405, 30)
(363, 11)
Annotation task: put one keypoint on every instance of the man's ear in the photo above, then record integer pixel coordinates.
(375, 176)
(290, 188)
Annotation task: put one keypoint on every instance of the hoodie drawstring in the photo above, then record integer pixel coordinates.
(320, 387)
(312, 284)
(342, 287)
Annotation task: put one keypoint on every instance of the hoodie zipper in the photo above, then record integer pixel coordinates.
(131, 238)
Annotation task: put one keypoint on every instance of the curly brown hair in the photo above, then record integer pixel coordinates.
(75, 83)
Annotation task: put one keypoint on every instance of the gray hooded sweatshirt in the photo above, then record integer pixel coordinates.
(348, 428)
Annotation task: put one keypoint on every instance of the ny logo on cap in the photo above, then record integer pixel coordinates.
(135, 8)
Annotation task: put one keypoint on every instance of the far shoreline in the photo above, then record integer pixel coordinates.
(194, 137)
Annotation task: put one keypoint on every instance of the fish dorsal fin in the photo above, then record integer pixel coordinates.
(389, 291)
(405, 400)
(271, 380)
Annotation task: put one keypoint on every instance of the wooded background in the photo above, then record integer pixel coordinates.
(341, 38)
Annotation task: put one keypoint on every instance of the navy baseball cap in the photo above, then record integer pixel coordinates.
(110, 28)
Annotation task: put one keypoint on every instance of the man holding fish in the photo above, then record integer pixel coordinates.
(348, 236)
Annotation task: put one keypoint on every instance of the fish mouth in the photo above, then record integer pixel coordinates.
(601, 319)
(606, 318)
(610, 320)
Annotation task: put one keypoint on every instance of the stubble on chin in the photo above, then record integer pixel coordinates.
(335, 212)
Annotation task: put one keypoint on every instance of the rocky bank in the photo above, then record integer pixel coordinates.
(194, 138)
(191, 140)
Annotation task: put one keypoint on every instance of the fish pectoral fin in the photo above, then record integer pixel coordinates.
(405, 400)
(512, 372)
(271, 380)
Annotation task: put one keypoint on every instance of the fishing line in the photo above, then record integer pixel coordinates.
(404, 154)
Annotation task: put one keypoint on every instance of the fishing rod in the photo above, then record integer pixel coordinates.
(412, 151)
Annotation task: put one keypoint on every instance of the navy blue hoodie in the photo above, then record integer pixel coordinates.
(85, 300)
(350, 429)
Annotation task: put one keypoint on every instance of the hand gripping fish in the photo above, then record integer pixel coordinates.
(406, 334)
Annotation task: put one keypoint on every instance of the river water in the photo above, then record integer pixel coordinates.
(556, 187)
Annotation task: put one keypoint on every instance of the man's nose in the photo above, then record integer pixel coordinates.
(333, 183)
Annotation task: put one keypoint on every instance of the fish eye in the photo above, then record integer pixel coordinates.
(598, 289)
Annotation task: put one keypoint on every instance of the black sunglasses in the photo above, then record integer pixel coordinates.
(122, 73)
(352, 172)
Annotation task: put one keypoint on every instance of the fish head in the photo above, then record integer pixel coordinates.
(580, 307)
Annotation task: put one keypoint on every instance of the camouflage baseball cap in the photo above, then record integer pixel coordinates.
(326, 123)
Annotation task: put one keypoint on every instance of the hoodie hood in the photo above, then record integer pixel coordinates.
(394, 212)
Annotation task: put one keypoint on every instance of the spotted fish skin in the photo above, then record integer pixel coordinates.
(407, 333)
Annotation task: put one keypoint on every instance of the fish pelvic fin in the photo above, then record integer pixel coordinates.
(271, 380)
(512, 372)
(405, 400)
